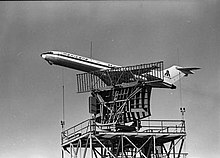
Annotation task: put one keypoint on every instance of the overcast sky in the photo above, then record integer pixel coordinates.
(123, 33)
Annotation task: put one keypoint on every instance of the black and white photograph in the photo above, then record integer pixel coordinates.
(110, 79)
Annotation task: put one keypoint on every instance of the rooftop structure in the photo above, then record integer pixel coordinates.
(155, 139)
(120, 105)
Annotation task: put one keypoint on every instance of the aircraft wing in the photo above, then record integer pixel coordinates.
(115, 77)
(160, 83)
(104, 76)
(123, 74)
(187, 70)
(141, 71)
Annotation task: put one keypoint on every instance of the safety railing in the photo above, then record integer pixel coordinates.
(171, 155)
(163, 126)
(77, 131)
(147, 126)
(157, 155)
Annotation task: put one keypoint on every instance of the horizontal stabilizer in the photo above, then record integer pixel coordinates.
(187, 70)
(174, 73)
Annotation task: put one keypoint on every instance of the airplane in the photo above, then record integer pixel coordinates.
(73, 61)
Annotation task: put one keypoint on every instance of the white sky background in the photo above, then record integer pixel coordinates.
(123, 33)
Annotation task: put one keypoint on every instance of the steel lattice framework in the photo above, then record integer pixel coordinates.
(122, 104)
(157, 139)
(98, 80)
(119, 104)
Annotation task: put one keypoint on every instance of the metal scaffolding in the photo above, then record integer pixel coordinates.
(122, 104)
(119, 104)
(156, 139)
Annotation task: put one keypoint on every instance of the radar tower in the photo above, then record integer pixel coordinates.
(119, 128)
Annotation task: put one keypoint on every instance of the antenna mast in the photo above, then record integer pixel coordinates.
(179, 79)
(182, 109)
(63, 108)
(91, 50)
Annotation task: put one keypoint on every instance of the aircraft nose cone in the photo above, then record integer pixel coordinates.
(46, 56)
(43, 55)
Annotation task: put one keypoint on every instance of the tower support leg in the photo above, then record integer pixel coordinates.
(154, 146)
(91, 145)
(122, 147)
(181, 146)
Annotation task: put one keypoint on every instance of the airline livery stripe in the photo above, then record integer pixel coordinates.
(99, 66)
(87, 60)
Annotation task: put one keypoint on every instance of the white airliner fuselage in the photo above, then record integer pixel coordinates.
(85, 64)
(76, 61)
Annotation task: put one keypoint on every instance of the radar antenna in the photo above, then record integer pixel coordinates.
(63, 107)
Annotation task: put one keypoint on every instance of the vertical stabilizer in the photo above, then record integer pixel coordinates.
(174, 73)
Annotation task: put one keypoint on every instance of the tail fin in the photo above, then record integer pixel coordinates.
(174, 73)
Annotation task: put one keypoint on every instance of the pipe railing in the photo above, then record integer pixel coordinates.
(147, 126)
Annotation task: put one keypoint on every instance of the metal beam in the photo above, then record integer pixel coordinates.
(122, 146)
(180, 149)
(104, 146)
(138, 149)
(154, 146)
(90, 136)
